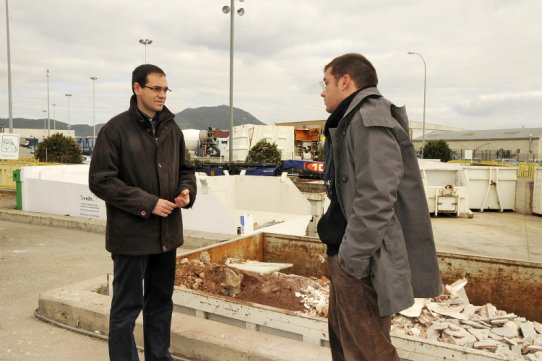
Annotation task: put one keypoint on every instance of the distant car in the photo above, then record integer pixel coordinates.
(86, 159)
(507, 160)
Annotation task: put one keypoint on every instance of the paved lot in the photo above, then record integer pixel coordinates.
(493, 234)
(34, 259)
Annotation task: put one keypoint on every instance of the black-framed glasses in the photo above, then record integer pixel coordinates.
(157, 89)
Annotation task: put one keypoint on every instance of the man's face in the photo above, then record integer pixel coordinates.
(150, 101)
(332, 93)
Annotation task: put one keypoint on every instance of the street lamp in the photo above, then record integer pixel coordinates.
(69, 125)
(145, 42)
(54, 116)
(10, 108)
(48, 117)
(424, 93)
(44, 124)
(231, 10)
(93, 78)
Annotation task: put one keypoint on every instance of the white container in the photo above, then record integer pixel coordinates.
(69, 182)
(491, 188)
(272, 203)
(537, 191)
(246, 136)
(445, 188)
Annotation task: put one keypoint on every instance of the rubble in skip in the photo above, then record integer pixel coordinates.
(450, 318)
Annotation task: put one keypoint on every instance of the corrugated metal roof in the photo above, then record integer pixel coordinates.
(517, 133)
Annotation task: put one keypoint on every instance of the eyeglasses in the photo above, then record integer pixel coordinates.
(323, 83)
(157, 89)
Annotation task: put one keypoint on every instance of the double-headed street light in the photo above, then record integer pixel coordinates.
(69, 124)
(145, 42)
(93, 78)
(424, 93)
(231, 10)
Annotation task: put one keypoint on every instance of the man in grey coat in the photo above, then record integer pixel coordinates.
(381, 252)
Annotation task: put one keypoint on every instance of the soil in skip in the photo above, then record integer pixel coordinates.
(280, 290)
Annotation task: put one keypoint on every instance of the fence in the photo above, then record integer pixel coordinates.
(8, 166)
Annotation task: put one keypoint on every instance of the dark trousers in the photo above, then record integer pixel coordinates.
(356, 330)
(142, 283)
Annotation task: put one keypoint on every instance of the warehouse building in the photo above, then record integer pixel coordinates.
(520, 144)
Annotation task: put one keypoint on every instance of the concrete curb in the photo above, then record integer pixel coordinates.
(80, 306)
(45, 219)
(193, 239)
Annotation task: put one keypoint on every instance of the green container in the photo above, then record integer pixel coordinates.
(18, 188)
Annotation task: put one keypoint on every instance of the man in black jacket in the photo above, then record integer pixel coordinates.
(139, 168)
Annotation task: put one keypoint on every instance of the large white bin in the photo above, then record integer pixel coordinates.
(445, 187)
(491, 188)
(273, 203)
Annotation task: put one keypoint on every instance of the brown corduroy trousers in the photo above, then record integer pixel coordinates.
(356, 330)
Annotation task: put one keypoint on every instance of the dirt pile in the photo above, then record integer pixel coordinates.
(286, 291)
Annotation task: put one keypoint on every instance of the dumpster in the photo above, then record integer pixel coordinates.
(509, 285)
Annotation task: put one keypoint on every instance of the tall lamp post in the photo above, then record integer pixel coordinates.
(231, 10)
(9, 73)
(424, 94)
(93, 78)
(145, 42)
(48, 117)
(54, 116)
(44, 120)
(69, 124)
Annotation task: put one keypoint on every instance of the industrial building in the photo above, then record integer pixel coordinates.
(520, 144)
(415, 128)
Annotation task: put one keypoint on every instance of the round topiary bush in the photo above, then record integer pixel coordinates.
(59, 149)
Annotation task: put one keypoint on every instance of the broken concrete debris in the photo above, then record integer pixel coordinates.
(451, 319)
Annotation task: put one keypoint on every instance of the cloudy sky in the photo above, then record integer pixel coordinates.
(483, 57)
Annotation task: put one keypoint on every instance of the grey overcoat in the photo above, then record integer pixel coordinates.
(388, 234)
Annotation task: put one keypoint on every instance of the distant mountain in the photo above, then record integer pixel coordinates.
(190, 118)
(81, 130)
(214, 117)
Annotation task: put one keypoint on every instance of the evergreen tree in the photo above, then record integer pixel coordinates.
(437, 149)
(59, 149)
(264, 152)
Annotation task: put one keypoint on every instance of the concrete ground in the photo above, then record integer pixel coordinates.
(34, 259)
(506, 235)
(37, 258)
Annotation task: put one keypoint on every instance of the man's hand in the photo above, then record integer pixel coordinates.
(163, 208)
(183, 198)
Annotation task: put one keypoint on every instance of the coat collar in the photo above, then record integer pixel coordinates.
(360, 96)
(164, 114)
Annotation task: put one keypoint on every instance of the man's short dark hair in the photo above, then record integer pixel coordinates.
(356, 66)
(139, 75)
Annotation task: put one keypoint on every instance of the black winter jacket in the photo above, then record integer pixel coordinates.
(130, 170)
